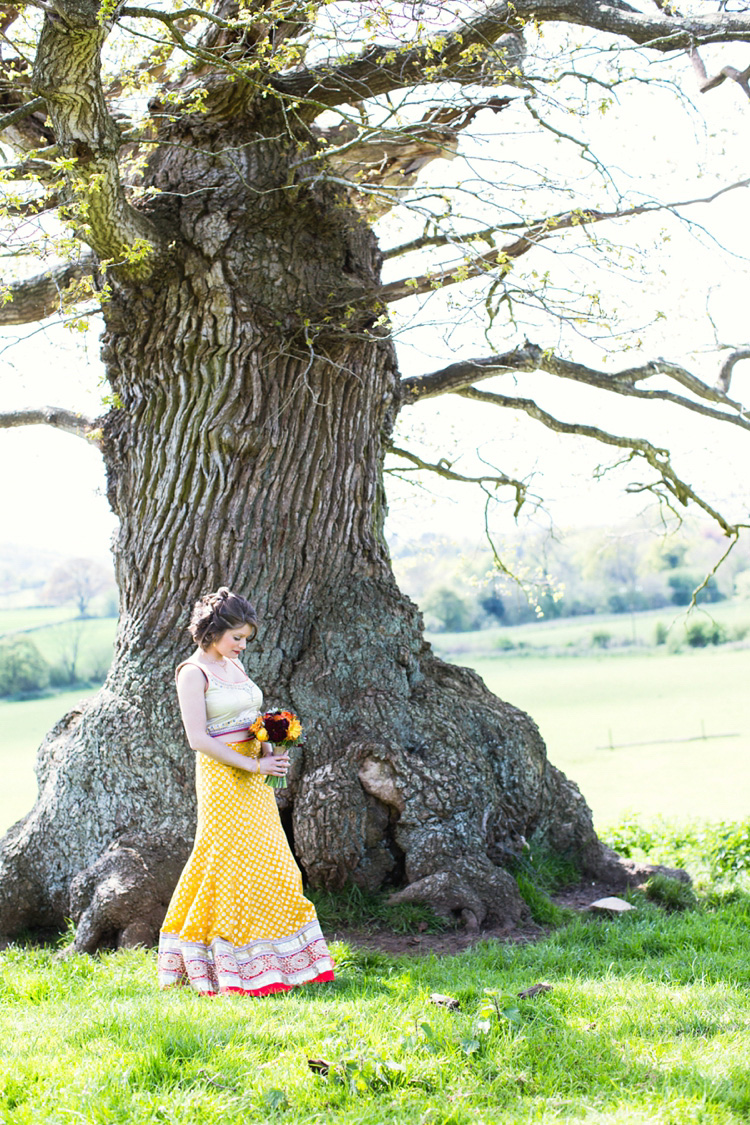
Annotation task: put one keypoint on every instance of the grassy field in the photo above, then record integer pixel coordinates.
(685, 708)
(647, 1020)
(95, 637)
(34, 617)
(582, 704)
(63, 639)
(588, 707)
(24, 724)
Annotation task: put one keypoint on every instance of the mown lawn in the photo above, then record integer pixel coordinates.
(648, 1020)
(582, 704)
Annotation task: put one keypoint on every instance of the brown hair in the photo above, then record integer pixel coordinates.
(215, 613)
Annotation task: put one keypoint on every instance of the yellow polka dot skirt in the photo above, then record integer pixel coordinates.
(238, 920)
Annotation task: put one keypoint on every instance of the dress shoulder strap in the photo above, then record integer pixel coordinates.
(193, 664)
(240, 668)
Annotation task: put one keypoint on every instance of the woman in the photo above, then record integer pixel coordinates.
(238, 920)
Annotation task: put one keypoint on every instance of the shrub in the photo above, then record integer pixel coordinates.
(22, 666)
(702, 633)
(661, 632)
(601, 639)
(451, 611)
(721, 850)
(731, 848)
(629, 837)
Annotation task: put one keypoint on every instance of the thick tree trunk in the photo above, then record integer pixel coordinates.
(256, 401)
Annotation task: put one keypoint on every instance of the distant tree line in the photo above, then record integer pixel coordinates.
(584, 571)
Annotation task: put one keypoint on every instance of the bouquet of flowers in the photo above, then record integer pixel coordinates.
(283, 728)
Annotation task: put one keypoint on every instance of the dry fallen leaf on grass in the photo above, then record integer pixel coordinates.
(534, 991)
(444, 1001)
(319, 1066)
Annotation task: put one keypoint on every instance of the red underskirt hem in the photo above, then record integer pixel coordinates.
(270, 988)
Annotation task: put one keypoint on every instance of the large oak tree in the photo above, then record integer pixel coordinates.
(219, 168)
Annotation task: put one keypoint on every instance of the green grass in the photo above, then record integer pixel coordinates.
(648, 1020)
(354, 908)
(24, 725)
(34, 617)
(581, 704)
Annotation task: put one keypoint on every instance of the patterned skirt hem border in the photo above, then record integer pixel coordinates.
(265, 965)
(267, 989)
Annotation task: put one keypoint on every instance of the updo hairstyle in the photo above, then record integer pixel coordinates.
(215, 613)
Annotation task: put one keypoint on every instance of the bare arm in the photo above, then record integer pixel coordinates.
(192, 697)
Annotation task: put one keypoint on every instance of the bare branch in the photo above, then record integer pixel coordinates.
(41, 296)
(664, 32)
(69, 421)
(24, 110)
(501, 258)
(443, 239)
(725, 375)
(382, 69)
(170, 17)
(465, 372)
(741, 77)
(444, 469)
(655, 456)
(530, 357)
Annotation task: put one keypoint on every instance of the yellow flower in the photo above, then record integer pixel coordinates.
(259, 730)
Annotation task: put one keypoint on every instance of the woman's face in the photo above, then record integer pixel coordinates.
(232, 642)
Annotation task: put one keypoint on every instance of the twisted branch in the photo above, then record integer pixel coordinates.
(530, 357)
(444, 468)
(658, 458)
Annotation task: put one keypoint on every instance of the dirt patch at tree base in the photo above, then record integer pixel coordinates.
(578, 898)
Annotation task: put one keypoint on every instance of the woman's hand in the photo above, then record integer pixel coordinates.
(274, 763)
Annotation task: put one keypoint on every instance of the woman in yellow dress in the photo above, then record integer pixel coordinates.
(238, 920)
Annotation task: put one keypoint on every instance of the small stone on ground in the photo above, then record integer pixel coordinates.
(611, 905)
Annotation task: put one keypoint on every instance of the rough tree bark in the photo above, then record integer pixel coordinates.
(256, 397)
(241, 455)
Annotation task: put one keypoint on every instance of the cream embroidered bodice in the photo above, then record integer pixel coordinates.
(230, 707)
